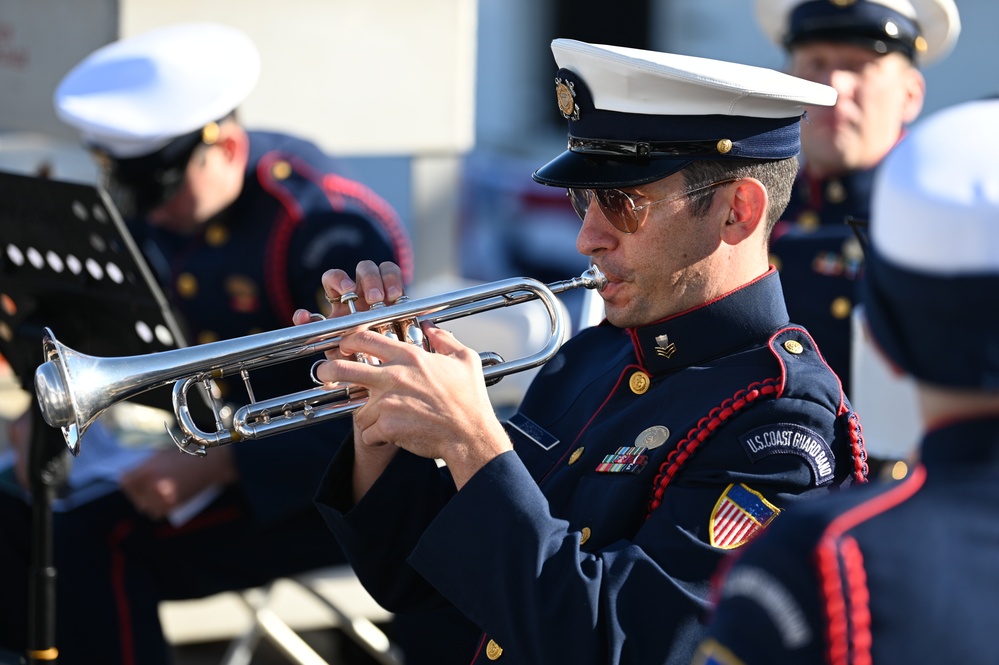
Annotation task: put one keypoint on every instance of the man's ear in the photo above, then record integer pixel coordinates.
(915, 95)
(748, 200)
(235, 143)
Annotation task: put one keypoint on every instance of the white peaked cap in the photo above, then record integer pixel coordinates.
(134, 96)
(938, 21)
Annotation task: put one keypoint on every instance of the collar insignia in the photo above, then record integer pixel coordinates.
(664, 347)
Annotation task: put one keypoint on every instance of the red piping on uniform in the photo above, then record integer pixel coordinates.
(706, 303)
(860, 601)
(118, 562)
(337, 190)
(707, 426)
(841, 407)
(276, 267)
(122, 606)
(837, 630)
(206, 520)
(383, 213)
(854, 431)
(635, 343)
(276, 257)
(613, 390)
(831, 578)
(478, 650)
(857, 448)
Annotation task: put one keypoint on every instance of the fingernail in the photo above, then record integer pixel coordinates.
(375, 295)
(394, 293)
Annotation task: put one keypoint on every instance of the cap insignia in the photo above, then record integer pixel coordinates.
(210, 133)
(724, 146)
(664, 347)
(565, 92)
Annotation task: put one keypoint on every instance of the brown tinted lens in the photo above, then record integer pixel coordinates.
(618, 209)
(614, 205)
(580, 199)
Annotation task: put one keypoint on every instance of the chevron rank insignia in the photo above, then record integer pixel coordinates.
(739, 514)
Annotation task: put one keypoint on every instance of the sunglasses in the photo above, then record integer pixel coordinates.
(619, 208)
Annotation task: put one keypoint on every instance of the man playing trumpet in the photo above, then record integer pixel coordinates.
(586, 528)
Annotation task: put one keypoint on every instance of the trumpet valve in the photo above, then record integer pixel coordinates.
(348, 300)
(413, 334)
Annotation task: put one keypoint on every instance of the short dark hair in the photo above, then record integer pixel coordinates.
(776, 175)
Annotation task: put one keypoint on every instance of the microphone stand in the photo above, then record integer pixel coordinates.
(49, 462)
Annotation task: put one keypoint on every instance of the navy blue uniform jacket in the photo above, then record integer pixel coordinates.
(821, 258)
(248, 271)
(642, 456)
(902, 572)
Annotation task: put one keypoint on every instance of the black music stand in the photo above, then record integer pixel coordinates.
(67, 262)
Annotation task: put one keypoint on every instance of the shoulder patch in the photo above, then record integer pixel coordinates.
(739, 514)
(793, 439)
(780, 606)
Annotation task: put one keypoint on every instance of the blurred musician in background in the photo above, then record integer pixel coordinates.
(238, 225)
(903, 572)
(870, 51)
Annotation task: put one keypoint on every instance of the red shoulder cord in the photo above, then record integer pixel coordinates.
(707, 426)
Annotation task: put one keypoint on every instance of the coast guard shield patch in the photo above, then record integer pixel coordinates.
(739, 514)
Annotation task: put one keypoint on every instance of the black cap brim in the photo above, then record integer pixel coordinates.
(573, 169)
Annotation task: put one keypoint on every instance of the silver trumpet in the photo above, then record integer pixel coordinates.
(73, 388)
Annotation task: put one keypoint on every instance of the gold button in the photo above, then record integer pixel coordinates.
(793, 346)
(281, 170)
(639, 382)
(835, 191)
(724, 146)
(216, 235)
(576, 454)
(493, 650)
(808, 220)
(187, 285)
(840, 307)
(584, 535)
(852, 250)
(920, 44)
